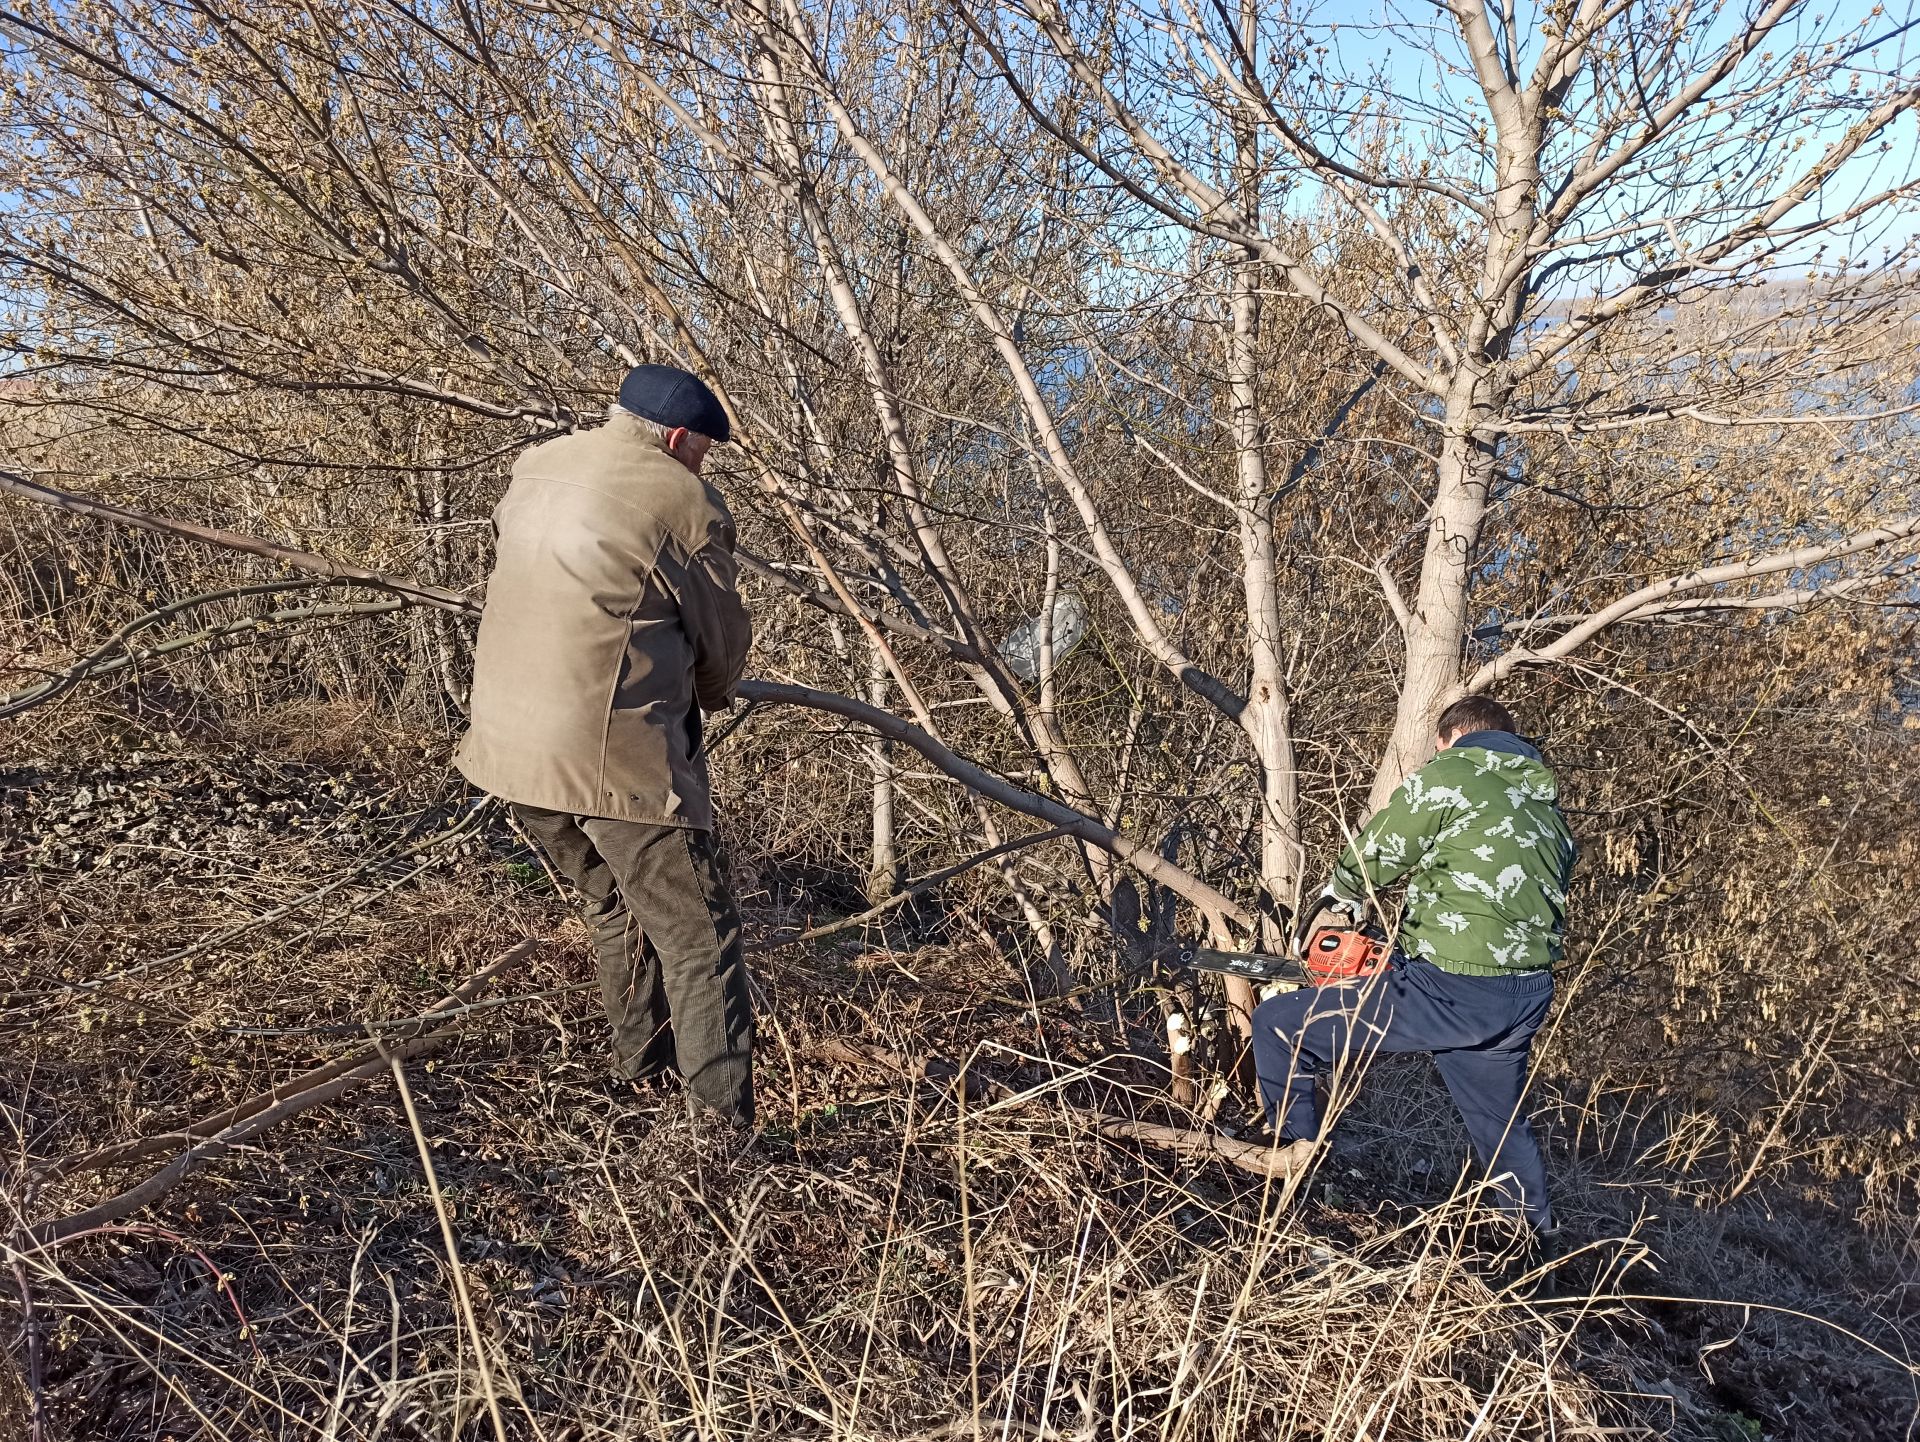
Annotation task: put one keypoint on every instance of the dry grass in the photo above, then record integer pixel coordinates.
(632, 1277)
(887, 1261)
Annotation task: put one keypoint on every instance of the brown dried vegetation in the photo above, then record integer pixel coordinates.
(314, 273)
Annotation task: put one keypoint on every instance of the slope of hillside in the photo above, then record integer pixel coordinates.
(890, 1258)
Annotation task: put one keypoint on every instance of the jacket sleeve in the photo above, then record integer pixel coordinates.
(1394, 841)
(716, 622)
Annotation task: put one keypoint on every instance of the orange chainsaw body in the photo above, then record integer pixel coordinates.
(1333, 954)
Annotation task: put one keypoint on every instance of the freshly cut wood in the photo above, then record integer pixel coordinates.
(1276, 1163)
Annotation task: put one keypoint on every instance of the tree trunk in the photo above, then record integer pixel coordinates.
(883, 861)
(1475, 403)
(1268, 717)
(1436, 635)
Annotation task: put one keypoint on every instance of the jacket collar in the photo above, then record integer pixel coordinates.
(1503, 741)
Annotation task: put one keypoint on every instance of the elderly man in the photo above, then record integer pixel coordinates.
(612, 621)
(1477, 837)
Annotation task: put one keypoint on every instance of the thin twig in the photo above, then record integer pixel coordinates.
(33, 1344)
(447, 1237)
(235, 541)
(925, 884)
(468, 823)
(50, 1232)
(120, 1153)
(402, 1028)
(102, 662)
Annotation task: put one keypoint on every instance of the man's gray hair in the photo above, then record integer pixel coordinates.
(652, 428)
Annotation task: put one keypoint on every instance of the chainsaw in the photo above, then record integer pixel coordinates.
(1318, 956)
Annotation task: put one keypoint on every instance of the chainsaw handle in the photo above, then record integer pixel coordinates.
(1326, 901)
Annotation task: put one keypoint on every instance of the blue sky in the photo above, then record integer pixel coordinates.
(1417, 50)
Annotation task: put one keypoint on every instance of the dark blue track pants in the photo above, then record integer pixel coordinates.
(1479, 1029)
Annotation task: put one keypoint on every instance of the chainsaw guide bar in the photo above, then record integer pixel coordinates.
(1253, 965)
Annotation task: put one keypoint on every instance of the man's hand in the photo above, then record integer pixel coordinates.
(1350, 914)
(1330, 910)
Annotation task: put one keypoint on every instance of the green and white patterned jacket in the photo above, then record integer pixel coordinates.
(1478, 837)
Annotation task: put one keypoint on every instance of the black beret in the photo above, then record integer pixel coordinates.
(675, 398)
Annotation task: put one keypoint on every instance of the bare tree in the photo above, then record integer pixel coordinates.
(1273, 391)
(1580, 175)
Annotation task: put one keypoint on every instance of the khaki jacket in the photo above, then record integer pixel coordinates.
(610, 615)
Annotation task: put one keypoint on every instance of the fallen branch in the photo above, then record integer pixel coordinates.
(1218, 909)
(215, 1136)
(1276, 1163)
(391, 1058)
(122, 1152)
(406, 1026)
(1266, 1162)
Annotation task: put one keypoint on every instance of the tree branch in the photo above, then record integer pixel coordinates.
(299, 560)
(1683, 608)
(1034, 402)
(1086, 828)
(1650, 598)
(102, 663)
(1653, 414)
(1218, 216)
(1217, 908)
(826, 601)
(1649, 286)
